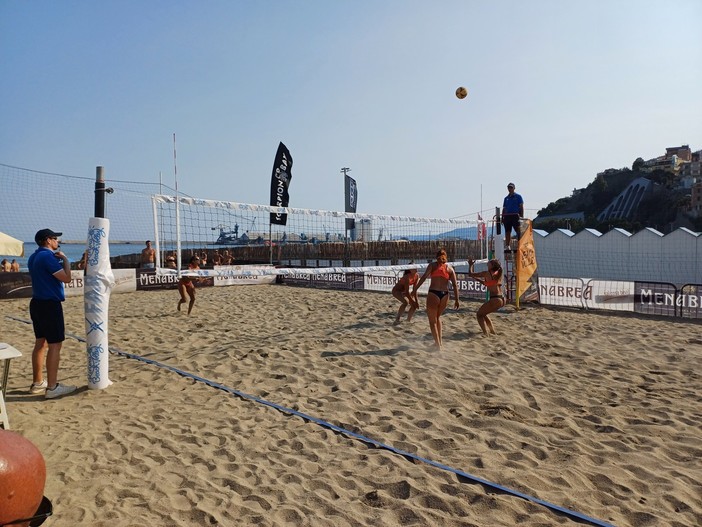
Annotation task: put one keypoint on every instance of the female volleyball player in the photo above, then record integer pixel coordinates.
(186, 285)
(492, 280)
(403, 292)
(437, 299)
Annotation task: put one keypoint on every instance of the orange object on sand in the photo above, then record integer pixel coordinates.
(22, 477)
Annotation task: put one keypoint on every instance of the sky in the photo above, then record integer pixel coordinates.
(558, 91)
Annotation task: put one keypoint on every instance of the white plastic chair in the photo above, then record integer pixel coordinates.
(7, 353)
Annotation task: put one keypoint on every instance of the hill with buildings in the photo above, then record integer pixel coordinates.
(664, 193)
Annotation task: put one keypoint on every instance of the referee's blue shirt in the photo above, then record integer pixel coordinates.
(511, 203)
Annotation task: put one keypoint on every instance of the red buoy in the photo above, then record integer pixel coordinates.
(22, 477)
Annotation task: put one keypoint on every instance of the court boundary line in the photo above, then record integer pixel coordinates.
(574, 515)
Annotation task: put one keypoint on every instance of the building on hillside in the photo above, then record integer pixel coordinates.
(625, 204)
(669, 164)
(691, 172)
(681, 152)
(696, 201)
(674, 158)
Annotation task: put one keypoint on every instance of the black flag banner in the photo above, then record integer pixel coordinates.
(351, 194)
(280, 181)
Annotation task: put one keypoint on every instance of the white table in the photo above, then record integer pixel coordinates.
(7, 353)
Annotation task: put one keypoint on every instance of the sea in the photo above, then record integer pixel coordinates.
(74, 251)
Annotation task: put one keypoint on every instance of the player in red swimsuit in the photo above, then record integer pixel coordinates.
(437, 299)
(402, 291)
(186, 285)
(492, 280)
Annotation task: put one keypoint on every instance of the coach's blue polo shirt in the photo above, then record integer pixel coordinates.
(42, 266)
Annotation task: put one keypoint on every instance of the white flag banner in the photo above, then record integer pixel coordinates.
(99, 281)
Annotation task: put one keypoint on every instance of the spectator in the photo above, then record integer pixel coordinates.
(148, 256)
(83, 263)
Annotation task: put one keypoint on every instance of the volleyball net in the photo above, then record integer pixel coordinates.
(239, 242)
(287, 241)
(32, 200)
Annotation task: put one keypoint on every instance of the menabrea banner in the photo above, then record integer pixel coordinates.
(350, 199)
(526, 264)
(613, 295)
(329, 280)
(98, 285)
(237, 275)
(280, 181)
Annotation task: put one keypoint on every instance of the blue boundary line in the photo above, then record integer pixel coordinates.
(570, 513)
(495, 486)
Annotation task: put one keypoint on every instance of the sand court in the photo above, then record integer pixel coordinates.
(595, 412)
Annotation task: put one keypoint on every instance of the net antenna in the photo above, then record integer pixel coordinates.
(481, 226)
(177, 208)
(158, 234)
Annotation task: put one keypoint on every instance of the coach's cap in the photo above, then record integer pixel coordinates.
(510, 185)
(43, 234)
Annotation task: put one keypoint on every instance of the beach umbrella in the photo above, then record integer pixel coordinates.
(10, 246)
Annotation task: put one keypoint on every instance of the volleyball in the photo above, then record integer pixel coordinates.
(461, 92)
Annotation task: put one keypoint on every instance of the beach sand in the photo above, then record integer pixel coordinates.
(596, 412)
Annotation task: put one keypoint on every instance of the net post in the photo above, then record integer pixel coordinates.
(498, 249)
(270, 240)
(99, 192)
(157, 237)
(97, 286)
(515, 266)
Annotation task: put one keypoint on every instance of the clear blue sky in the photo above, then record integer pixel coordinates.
(558, 91)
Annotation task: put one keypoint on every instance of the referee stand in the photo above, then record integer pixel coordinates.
(509, 267)
(510, 277)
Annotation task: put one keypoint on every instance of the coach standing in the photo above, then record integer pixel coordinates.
(49, 271)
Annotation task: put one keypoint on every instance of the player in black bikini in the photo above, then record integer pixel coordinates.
(437, 299)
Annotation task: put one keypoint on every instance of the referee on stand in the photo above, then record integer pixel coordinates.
(512, 212)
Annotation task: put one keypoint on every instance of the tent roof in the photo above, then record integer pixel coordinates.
(10, 246)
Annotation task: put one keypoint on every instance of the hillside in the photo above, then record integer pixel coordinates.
(661, 208)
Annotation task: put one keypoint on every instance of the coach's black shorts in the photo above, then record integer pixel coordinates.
(47, 319)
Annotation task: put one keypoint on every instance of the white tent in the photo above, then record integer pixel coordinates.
(9, 246)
